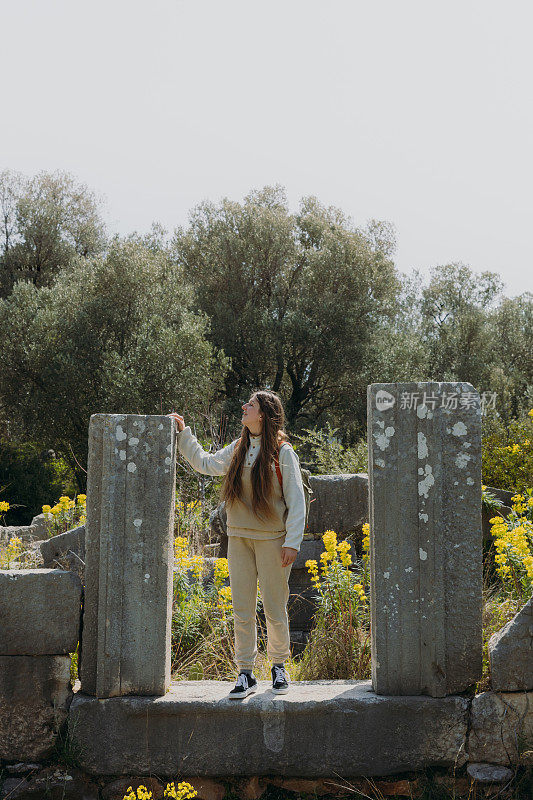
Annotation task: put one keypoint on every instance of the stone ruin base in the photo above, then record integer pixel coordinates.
(27, 781)
(321, 731)
(196, 729)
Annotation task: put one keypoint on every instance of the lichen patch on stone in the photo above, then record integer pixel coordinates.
(462, 460)
(120, 434)
(459, 429)
(425, 485)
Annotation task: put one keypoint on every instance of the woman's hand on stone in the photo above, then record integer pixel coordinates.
(180, 422)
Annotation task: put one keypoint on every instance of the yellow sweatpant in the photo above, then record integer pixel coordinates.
(248, 561)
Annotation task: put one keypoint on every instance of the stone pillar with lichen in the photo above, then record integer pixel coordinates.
(424, 442)
(125, 645)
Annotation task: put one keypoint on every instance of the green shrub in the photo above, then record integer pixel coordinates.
(323, 454)
(29, 476)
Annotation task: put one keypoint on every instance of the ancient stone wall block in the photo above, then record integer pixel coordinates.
(59, 546)
(340, 503)
(35, 695)
(129, 537)
(511, 653)
(40, 612)
(501, 730)
(426, 544)
(27, 533)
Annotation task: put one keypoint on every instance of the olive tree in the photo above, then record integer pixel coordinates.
(47, 221)
(293, 299)
(112, 334)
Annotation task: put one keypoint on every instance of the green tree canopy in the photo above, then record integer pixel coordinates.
(292, 298)
(247, 295)
(112, 334)
(46, 221)
(512, 322)
(456, 306)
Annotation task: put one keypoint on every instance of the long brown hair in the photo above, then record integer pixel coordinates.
(272, 436)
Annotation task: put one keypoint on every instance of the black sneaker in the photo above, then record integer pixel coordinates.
(245, 685)
(280, 683)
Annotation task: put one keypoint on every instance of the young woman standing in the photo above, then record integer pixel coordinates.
(265, 525)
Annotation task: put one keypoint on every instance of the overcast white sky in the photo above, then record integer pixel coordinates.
(415, 112)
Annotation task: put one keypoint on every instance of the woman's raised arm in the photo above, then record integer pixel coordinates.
(191, 449)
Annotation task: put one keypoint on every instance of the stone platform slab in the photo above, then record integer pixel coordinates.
(320, 728)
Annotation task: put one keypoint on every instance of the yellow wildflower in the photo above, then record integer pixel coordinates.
(513, 540)
(183, 791)
(197, 563)
(224, 601)
(181, 552)
(15, 542)
(142, 793)
(221, 571)
(330, 541)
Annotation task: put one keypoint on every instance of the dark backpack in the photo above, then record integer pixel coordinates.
(306, 475)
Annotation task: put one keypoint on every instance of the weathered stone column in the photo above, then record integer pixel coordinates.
(424, 442)
(125, 647)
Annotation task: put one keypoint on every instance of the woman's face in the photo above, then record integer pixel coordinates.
(251, 413)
